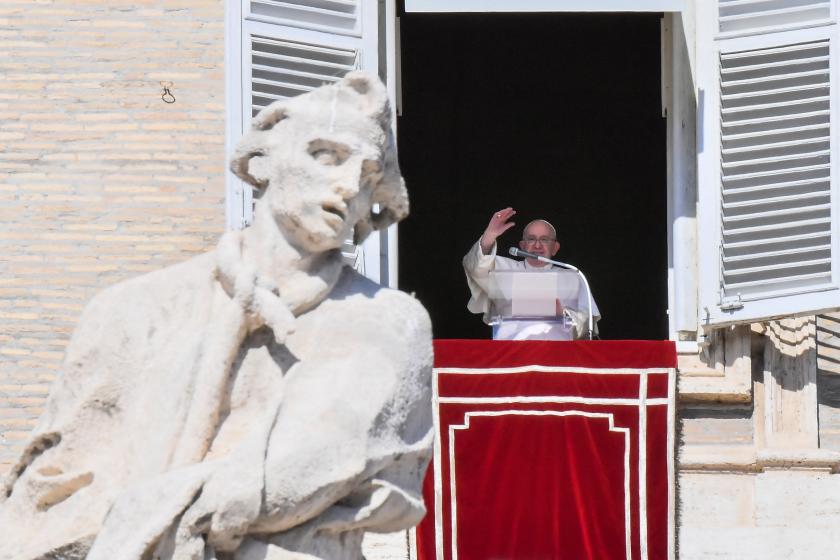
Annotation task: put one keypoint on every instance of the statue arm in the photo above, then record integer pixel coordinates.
(353, 436)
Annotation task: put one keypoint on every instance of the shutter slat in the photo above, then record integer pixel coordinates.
(779, 64)
(775, 132)
(303, 47)
(785, 239)
(775, 145)
(300, 73)
(776, 267)
(765, 285)
(774, 214)
(779, 118)
(783, 49)
(788, 171)
(771, 254)
(298, 60)
(771, 92)
(774, 227)
(281, 83)
(776, 105)
(777, 186)
(790, 157)
(774, 200)
(777, 78)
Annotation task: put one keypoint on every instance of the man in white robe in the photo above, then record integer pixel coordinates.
(539, 238)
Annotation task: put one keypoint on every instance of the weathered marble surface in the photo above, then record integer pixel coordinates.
(259, 401)
(773, 515)
(759, 480)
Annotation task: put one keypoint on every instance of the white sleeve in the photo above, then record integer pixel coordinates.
(477, 267)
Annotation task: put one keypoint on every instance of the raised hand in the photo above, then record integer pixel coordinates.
(498, 225)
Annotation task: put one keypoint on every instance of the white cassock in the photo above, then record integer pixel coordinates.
(478, 267)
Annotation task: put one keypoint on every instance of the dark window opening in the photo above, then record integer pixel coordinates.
(557, 115)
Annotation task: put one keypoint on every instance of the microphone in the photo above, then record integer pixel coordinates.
(517, 252)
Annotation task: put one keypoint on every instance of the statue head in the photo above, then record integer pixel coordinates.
(324, 164)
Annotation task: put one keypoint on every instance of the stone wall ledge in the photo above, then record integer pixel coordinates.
(712, 389)
(796, 459)
(709, 458)
(722, 375)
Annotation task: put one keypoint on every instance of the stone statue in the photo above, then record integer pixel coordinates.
(258, 401)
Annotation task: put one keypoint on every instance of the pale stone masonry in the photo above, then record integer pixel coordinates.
(100, 180)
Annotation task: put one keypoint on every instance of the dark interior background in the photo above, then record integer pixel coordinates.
(556, 115)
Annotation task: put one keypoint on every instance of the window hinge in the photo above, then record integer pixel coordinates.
(731, 303)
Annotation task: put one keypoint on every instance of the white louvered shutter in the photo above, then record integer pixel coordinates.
(767, 182)
(291, 47)
(282, 69)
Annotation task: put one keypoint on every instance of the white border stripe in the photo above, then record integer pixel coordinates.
(643, 529)
(552, 369)
(671, 458)
(453, 497)
(466, 426)
(558, 400)
(437, 470)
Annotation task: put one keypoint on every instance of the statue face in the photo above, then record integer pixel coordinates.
(321, 182)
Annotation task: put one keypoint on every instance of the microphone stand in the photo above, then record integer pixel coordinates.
(520, 253)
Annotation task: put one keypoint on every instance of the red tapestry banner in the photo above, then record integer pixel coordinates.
(549, 450)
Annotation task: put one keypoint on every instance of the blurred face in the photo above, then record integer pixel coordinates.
(322, 184)
(539, 238)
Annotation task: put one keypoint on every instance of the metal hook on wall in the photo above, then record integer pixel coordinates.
(167, 95)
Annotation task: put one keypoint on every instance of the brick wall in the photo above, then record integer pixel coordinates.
(100, 180)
